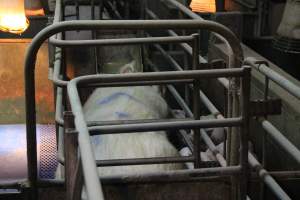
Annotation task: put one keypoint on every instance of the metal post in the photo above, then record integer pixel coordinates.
(196, 102)
(244, 133)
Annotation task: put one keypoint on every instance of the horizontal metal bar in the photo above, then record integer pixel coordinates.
(120, 41)
(143, 161)
(157, 126)
(231, 40)
(281, 140)
(274, 76)
(134, 121)
(172, 176)
(134, 83)
(13, 184)
(159, 76)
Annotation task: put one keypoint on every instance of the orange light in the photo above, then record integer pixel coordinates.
(203, 6)
(39, 12)
(12, 16)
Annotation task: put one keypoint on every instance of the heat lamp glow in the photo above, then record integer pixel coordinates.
(12, 16)
(203, 6)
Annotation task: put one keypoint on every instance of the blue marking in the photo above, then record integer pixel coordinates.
(115, 96)
(96, 140)
(122, 114)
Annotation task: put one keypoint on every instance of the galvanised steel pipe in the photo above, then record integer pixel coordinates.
(274, 76)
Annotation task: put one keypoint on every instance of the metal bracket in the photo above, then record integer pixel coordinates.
(265, 107)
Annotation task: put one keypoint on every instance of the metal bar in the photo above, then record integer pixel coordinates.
(281, 140)
(193, 15)
(179, 100)
(244, 133)
(93, 186)
(274, 76)
(157, 126)
(267, 178)
(173, 176)
(143, 161)
(155, 24)
(211, 146)
(170, 76)
(185, 46)
(264, 140)
(134, 83)
(196, 103)
(174, 63)
(120, 41)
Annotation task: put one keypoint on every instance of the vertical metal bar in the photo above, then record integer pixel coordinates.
(196, 112)
(70, 151)
(264, 141)
(101, 9)
(31, 134)
(127, 9)
(244, 133)
(77, 9)
(196, 102)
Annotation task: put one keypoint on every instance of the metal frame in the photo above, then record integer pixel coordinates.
(90, 25)
(55, 33)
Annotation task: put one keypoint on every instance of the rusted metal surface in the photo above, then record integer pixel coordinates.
(12, 110)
